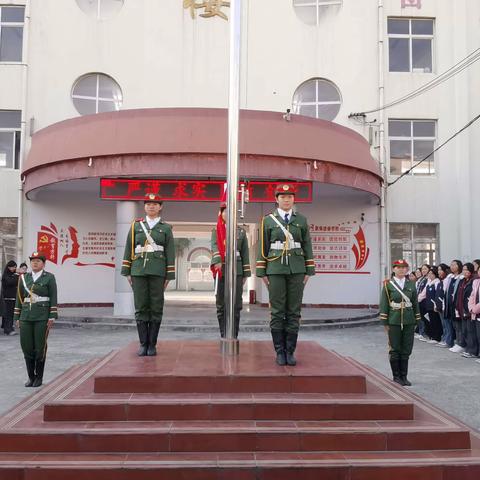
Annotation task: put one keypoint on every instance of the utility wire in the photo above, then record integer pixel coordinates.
(451, 72)
(471, 122)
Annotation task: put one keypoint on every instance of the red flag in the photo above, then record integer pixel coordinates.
(221, 240)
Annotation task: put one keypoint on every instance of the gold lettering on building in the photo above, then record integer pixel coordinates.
(211, 8)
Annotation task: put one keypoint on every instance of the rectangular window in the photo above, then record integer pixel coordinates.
(10, 125)
(11, 33)
(410, 44)
(8, 240)
(410, 142)
(417, 243)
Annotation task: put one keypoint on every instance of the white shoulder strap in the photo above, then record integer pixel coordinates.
(396, 287)
(25, 284)
(150, 240)
(287, 234)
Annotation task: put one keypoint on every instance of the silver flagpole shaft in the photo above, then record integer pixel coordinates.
(230, 345)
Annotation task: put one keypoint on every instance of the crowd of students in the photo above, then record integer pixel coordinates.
(450, 306)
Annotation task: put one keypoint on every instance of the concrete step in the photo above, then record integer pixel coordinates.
(242, 466)
(229, 407)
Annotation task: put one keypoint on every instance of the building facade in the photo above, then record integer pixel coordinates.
(136, 90)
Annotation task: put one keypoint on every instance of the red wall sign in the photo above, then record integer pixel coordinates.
(193, 190)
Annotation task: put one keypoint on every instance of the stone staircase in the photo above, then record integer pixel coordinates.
(191, 413)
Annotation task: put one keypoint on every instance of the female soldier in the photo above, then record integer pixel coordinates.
(219, 235)
(399, 313)
(285, 263)
(149, 264)
(35, 312)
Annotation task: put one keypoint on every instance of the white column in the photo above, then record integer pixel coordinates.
(123, 300)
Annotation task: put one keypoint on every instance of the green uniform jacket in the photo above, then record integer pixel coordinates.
(45, 286)
(398, 316)
(243, 256)
(159, 263)
(285, 262)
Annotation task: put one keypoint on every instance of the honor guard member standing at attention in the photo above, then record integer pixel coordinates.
(285, 262)
(35, 312)
(219, 235)
(399, 312)
(149, 264)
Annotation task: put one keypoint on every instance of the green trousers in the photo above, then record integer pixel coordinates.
(32, 340)
(286, 293)
(401, 341)
(148, 297)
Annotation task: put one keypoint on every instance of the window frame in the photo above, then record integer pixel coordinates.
(412, 241)
(12, 24)
(410, 36)
(8, 236)
(17, 136)
(318, 4)
(97, 97)
(98, 15)
(297, 107)
(412, 139)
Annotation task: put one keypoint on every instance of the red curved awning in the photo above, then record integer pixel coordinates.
(172, 142)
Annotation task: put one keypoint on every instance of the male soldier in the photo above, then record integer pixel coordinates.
(35, 312)
(285, 262)
(149, 264)
(399, 313)
(218, 268)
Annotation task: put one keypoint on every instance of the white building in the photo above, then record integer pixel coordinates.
(161, 66)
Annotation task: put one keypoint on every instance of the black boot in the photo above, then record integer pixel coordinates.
(404, 372)
(278, 337)
(291, 345)
(221, 326)
(39, 368)
(395, 365)
(30, 371)
(153, 329)
(142, 328)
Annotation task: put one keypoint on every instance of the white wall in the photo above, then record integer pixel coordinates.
(342, 289)
(76, 284)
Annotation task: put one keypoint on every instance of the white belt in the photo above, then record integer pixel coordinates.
(148, 249)
(399, 306)
(36, 299)
(278, 245)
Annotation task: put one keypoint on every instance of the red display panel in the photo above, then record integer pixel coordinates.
(193, 190)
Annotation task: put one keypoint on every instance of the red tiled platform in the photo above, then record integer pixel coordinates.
(198, 367)
(87, 424)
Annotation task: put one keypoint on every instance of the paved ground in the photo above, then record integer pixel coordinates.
(203, 313)
(443, 378)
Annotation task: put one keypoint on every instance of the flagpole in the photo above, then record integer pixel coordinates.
(230, 345)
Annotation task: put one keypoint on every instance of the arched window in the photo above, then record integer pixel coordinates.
(100, 9)
(311, 11)
(96, 93)
(317, 98)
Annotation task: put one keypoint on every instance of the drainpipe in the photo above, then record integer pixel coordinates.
(23, 131)
(381, 121)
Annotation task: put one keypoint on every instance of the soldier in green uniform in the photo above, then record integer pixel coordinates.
(399, 313)
(149, 264)
(285, 263)
(35, 312)
(218, 268)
